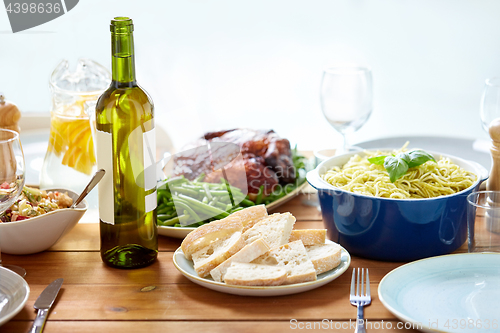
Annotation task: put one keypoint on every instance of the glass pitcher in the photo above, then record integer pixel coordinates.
(70, 159)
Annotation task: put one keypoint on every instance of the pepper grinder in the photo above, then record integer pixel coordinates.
(493, 183)
(9, 115)
(492, 217)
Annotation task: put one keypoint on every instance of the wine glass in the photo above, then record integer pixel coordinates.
(346, 99)
(490, 102)
(12, 173)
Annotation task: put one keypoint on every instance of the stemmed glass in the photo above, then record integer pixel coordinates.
(12, 173)
(490, 102)
(346, 99)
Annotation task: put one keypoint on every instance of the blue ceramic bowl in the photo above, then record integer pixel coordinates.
(394, 229)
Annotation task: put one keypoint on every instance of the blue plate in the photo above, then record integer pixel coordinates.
(451, 293)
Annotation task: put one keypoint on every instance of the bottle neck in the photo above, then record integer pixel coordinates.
(123, 65)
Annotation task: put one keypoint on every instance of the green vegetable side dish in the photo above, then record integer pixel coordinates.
(202, 202)
(398, 165)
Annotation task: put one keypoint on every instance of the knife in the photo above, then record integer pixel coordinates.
(43, 304)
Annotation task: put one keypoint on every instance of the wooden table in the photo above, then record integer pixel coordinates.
(97, 298)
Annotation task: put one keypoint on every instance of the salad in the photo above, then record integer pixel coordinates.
(34, 202)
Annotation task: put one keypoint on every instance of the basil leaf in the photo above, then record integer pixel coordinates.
(419, 157)
(378, 160)
(396, 167)
(404, 156)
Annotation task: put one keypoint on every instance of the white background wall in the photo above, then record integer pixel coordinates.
(214, 64)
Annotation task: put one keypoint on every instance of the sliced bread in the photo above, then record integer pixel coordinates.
(293, 257)
(245, 255)
(244, 274)
(275, 229)
(308, 236)
(204, 235)
(251, 215)
(324, 256)
(216, 253)
(239, 221)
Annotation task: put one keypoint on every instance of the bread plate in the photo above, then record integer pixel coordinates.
(186, 268)
(181, 232)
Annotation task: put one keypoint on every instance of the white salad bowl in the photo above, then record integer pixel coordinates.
(39, 233)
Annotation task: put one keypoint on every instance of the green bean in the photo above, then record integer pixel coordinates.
(202, 206)
(163, 210)
(160, 195)
(207, 191)
(184, 191)
(164, 217)
(170, 221)
(204, 200)
(191, 187)
(259, 196)
(247, 202)
(189, 210)
(220, 205)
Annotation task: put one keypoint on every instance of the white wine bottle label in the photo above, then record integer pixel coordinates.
(105, 161)
(149, 156)
(149, 149)
(151, 202)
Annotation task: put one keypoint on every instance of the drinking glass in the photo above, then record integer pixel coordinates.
(346, 99)
(12, 173)
(483, 221)
(490, 102)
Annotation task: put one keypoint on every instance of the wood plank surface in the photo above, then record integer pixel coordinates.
(97, 298)
(54, 326)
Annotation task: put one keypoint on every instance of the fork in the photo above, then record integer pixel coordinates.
(359, 297)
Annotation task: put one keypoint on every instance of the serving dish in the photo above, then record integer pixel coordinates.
(181, 232)
(469, 149)
(39, 233)
(451, 293)
(185, 266)
(14, 292)
(394, 229)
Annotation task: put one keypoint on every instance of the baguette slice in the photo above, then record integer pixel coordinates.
(217, 252)
(251, 215)
(324, 256)
(293, 257)
(244, 274)
(204, 235)
(309, 236)
(245, 255)
(275, 229)
(239, 221)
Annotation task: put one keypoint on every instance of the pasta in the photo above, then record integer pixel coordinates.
(428, 180)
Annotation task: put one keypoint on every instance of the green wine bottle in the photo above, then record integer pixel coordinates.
(126, 148)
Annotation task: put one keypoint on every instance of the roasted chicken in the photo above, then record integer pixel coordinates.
(265, 160)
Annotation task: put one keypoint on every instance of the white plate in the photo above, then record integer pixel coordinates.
(452, 293)
(186, 268)
(14, 292)
(179, 232)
